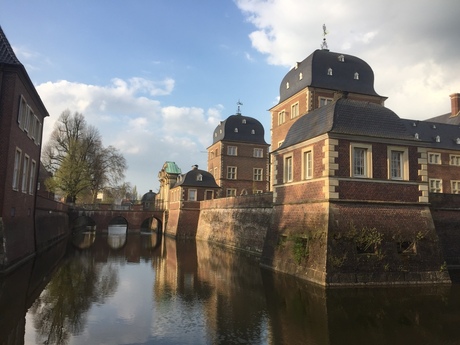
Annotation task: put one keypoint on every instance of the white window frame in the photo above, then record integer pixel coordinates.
(25, 173)
(192, 195)
(434, 158)
(455, 186)
(258, 152)
(307, 163)
(288, 169)
(258, 174)
(322, 101)
(403, 163)
(231, 173)
(454, 160)
(281, 117)
(17, 169)
(366, 159)
(435, 185)
(294, 110)
(33, 166)
(232, 150)
(230, 192)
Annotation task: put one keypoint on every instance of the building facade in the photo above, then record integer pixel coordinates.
(21, 124)
(238, 157)
(351, 181)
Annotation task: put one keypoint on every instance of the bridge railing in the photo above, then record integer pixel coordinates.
(158, 205)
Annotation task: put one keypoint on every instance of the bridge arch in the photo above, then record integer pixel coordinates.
(152, 224)
(83, 223)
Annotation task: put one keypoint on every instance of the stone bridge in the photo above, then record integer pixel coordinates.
(98, 217)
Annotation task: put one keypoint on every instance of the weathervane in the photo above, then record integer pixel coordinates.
(324, 44)
(239, 104)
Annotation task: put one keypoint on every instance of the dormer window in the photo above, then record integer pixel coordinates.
(434, 126)
(341, 58)
(356, 76)
(199, 177)
(253, 131)
(416, 136)
(287, 85)
(300, 76)
(244, 121)
(458, 141)
(236, 130)
(438, 139)
(215, 135)
(296, 65)
(329, 71)
(414, 124)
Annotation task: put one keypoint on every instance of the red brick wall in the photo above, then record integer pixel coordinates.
(359, 190)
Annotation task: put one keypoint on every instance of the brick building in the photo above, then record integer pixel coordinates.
(238, 157)
(21, 123)
(168, 177)
(351, 180)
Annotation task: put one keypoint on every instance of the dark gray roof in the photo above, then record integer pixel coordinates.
(240, 128)
(447, 119)
(7, 55)
(191, 179)
(350, 117)
(428, 131)
(314, 71)
(149, 196)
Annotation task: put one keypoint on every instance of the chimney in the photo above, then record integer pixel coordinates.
(455, 104)
(194, 167)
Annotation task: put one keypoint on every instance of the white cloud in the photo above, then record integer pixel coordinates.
(411, 46)
(128, 118)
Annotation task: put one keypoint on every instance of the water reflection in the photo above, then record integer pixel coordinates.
(154, 290)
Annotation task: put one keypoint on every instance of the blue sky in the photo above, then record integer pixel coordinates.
(156, 76)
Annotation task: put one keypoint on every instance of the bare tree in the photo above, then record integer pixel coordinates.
(78, 161)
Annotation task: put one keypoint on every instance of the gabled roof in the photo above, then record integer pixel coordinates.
(196, 178)
(240, 128)
(7, 55)
(313, 72)
(446, 118)
(428, 132)
(349, 117)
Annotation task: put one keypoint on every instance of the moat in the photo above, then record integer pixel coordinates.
(146, 289)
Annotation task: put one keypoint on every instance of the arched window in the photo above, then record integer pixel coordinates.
(356, 76)
(329, 71)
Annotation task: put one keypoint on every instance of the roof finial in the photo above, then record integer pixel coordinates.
(239, 104)
(324, 44)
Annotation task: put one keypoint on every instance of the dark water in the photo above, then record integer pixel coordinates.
(141, 289)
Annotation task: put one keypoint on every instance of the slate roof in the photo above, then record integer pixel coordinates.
(240, 128)
(427, 131)
(190, 179)
(447, 119)
(149, 196)
(314, 71)
(7, 55)
(350, 117)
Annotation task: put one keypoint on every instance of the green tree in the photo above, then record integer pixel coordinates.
(77, 159)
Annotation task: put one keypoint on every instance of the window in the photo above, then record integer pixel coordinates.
(231, 173)
(280, 143)
(236, 130)
(230, 192)
(192, 194)
(361, 160)
(244, 121)
(329, 71)
(294, 110)
(258, 174)
(454, 160)
(341, 58)
(435, 185)
(307, 165)
(287, 85)
(455, 187)
(434, 158)
(17, 162)
(356, 76)
(300, 76)
(209, 194)
(25, 171)
(232, 150)
(199, 177)
(288, 169)
(22, 114)
(258, 152)
(324, 101)
(281, 117)
(215, 172)
(32, 177)
(398, 163)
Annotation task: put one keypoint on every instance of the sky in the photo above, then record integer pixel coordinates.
(155, 77)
